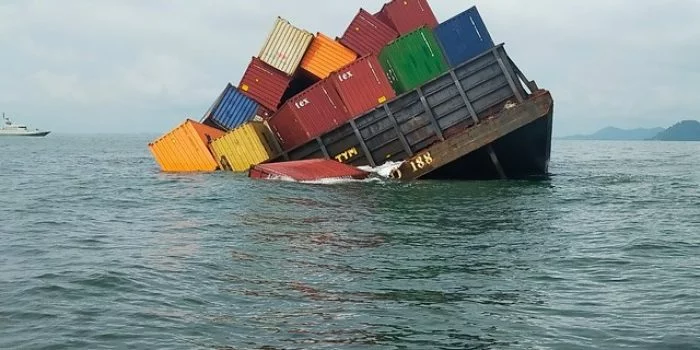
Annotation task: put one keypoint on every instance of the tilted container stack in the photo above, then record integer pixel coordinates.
(184, 149)
(367, 35)
(353, 99)
(413, 59)
(264, 84)
(405, 16)
(285, 46)
(362, 85)
(314, 111)
(325, 56)
(231, 109)
(250, 144)
(463, 37)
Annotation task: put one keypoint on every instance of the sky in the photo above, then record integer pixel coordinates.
(133, 66)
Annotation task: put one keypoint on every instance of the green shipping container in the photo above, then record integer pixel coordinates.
(412, 60)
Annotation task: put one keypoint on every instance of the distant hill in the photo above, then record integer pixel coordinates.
(612, 133)
(687, 130)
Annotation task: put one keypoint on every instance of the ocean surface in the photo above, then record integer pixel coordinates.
(99, 250)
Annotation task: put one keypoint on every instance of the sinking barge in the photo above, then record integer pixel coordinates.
(398, 87)
(481, 120)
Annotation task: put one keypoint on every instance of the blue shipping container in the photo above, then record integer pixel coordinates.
(231, 109)
(463, 37)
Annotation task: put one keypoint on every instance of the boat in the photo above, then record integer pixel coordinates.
(8, 128)
(458, 106)
(482, 120)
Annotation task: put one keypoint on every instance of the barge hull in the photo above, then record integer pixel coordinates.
(477, 117)
(513, 144)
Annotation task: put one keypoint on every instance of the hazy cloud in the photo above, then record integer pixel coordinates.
(122, 66)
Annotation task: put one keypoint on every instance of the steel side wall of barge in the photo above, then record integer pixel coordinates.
(437, 110)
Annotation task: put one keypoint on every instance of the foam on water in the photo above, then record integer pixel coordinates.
(385, 170)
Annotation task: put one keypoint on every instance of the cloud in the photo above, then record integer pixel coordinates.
(131, 65)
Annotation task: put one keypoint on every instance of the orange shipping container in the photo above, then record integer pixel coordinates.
(325, 56)
(185, 148)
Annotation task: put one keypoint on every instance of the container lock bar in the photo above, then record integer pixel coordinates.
(323, 148)
(365, 149)
(511, 82)
(531, 84)
(428, 110)
(472, 112)
(400, 135)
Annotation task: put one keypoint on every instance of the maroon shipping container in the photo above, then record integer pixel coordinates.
(367, 35)
(309, 114)
(362, 85)
(306, 170)
(264, 84)
(406, 16)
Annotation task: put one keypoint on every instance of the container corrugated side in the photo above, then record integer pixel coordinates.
(231, 109)
(264, 84)
(367, 35)
(406, 16)
(325, 56)
(308, 114)
(239, 149)
(184, 149)
(362, 85)
(285, 46)
(463, 36)
(412, 60)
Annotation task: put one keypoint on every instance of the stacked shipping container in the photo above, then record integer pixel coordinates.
(362, 85)
(184, 148)
(406, 16)
(367, 35)
(250, 144)
(308, 114)
(397, 50)
(413, 59)
(231, 109)
(264, 84)
(325, 56)
(463, 37)
(285, 46)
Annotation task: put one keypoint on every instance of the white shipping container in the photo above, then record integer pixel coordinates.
(285, 46)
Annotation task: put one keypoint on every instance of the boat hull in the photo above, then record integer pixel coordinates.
(474, 122)
(513, 144)
(27, 134)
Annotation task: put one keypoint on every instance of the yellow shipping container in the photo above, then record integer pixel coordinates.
(326, 56)
(184, 149)
(285, 46)
(250, 144)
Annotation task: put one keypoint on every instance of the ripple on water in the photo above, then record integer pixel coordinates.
(100, 250)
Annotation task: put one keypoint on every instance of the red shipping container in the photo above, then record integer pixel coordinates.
(367, 35)
(308, 114)
(306, 170)
(406, 16)
(362, 85)
(264, 84)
